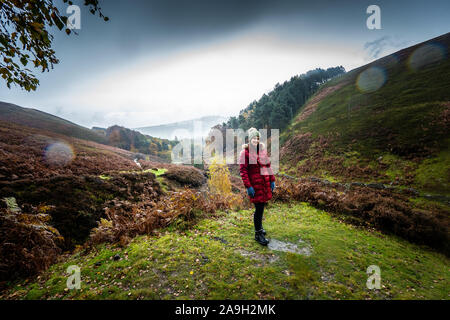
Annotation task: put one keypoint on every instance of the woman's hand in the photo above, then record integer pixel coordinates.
(251, 192)
(272, 185)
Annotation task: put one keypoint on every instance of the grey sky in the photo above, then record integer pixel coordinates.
(162, 61)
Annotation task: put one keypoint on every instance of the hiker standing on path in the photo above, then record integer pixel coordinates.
(258, 178)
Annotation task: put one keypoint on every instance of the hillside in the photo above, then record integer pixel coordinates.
(30, 153)
(277, 108)
(41, 120)
(115, 136)
(54, 189)
(135, 141)
(386, 122)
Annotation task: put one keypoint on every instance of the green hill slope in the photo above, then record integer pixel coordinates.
(388, 122)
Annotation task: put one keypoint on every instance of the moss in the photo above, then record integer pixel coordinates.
(395, 166)
(158, 172)
(351, 158)
(35, 294)
(433, 174)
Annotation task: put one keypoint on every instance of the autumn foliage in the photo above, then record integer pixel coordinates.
(219, 174)
(28, 244)
(126, 220)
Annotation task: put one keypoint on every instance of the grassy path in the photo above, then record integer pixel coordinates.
(218, 259)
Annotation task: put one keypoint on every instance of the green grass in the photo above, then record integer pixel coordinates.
(191, 264)
(420, 202)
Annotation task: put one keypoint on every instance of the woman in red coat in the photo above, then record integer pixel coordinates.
(258, 178)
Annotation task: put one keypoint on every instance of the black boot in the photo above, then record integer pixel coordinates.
(263, 231)
(259, 237)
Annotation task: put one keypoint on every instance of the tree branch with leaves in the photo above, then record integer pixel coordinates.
(25, 39)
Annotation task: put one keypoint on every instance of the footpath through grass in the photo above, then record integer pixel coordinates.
(219, 259)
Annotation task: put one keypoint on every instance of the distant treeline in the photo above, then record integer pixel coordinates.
(278, 107)
(135, 141)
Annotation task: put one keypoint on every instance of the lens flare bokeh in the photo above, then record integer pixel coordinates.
(371, 79)
(390, 61)
(426, 55)
(59, 154)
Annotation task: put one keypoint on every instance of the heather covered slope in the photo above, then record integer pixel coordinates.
(29, 153)
(385, 122)
(57, 176)
(116, 136)
(54, 189)
(41, 120)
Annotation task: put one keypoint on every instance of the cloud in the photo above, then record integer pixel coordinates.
(376, 48)
(216, 79)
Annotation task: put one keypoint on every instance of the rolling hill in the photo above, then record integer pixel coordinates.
(30, 153)
(41, 120)
(385, 122)
(22, 126)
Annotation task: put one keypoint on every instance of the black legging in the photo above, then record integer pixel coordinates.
(258, 215)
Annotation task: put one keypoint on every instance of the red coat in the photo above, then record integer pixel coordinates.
(256, 172)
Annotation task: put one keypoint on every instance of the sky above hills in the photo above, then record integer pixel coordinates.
(162, 61)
